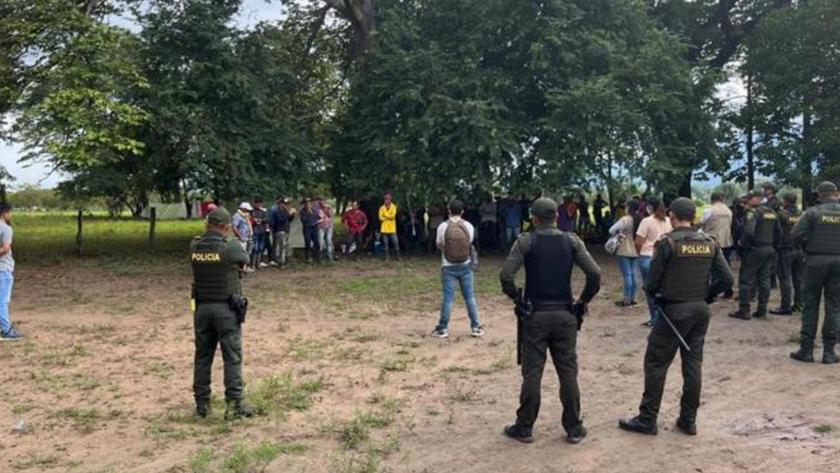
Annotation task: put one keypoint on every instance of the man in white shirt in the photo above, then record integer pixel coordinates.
(7, 274)
(717, 223)
(454, 239)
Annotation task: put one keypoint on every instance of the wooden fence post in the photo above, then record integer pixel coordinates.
(152, 221)
(79, 233)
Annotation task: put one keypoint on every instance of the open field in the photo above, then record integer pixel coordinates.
(339, 360)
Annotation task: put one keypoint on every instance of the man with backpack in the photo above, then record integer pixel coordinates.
(454, 239)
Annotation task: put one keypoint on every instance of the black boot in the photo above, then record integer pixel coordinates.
(829, 357)
(760, 314)
(687, 425)
(638, 425)
(576, 435)
(740, 314)
(804, 354)
(202, 408)
(520, 433)
(237, 410)
(781, 311)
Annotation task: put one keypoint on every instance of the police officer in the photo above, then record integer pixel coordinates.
(548, 255)
(762, 233)
(688, 269)
(818, 231)
(791, 259)
(217, 261)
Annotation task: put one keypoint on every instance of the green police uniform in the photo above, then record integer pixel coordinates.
(687, 270)
(216, 262)
(790, 264)
(818, 232)
(549, 255)
(762, 232)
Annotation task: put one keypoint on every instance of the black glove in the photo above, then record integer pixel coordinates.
(524, 309)
(579, 310)
(239, 306)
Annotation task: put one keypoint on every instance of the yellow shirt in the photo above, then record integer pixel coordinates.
(388, 217)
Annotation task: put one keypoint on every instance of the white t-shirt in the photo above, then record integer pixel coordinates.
(441, 234)
(7, 261)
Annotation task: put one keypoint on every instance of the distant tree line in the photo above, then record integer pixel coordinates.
(421, 97)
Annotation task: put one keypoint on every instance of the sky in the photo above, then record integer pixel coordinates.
(253, 12)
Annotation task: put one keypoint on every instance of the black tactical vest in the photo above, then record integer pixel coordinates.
(688, 269)
(548, 269)
(212, 273)
(824, 237)
(764, 223)
(788, 218)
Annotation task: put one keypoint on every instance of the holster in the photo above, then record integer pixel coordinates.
(239, 306)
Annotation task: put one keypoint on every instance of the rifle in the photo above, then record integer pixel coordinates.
(523, 310)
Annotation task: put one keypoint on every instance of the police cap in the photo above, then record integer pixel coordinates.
(544, 208)
(826, 187)
(219, 216)
(684, 209)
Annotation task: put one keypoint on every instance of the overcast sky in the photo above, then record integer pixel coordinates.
(253, 11)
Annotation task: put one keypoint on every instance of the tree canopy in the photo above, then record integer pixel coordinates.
(426, 98)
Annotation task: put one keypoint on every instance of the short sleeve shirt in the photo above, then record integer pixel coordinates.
(652, 229)
(441, 237)
(7, 261)
(240, 223)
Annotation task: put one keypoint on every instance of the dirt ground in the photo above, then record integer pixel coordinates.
(341, 362)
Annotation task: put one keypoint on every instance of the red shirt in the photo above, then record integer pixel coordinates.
(354, 221)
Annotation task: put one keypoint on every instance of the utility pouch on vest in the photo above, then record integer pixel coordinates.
(239, 306)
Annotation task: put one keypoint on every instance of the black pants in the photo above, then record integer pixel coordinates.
(358, 239)
(554, 331)
(755, 269)
(692, 320)
(310, 242)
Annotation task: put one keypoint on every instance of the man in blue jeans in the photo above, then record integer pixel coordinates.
(454, 239)
(7, 274)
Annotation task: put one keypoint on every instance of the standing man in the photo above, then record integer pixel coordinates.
(818, 231)
(259, 224)
(487, 232)
(325, 227)
(309, 220)
(584, 221)
(388, 229)
(598, 210)
(791, 261)
(243, 230)
(717, 223)
(454, 240)
(688, 269)
(512, 217)
(280, 221)
(549, 255)
(7, 273)
(762, 233)
(216, 263)
(355, 221)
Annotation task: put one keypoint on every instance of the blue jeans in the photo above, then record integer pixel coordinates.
(510, 235)
(644, 268)
(450, 276)
(7, 280)
(627, 265)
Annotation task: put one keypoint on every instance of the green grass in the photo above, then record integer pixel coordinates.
(275, 396)
(50, 238)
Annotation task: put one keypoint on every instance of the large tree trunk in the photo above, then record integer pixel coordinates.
(362, 16)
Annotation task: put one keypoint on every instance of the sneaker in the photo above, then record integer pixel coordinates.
(441, 333)
(520, 433)
(11, 335)
(263, 264)
(248, 269)
(648, 324)
(272, 263)
(478, 331)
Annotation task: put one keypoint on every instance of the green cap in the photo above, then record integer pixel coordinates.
(684, 209)
(544, 208)
(219, 216)
(826, 187)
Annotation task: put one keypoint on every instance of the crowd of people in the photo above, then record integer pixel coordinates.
(384, 228)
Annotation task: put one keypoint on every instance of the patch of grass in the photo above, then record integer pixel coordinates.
(463, 396)
(165, 432)
(201, 460)
(356, 432)
(368, 463)
(159, 369)
(302, 349)
(401, 361)
(275, 396)
(41, 462)
(824, 428)
(244, 460)
(23, 408)
(84, 420)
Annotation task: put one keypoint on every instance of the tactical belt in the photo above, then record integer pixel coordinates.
(546, 306)
(212, 301)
